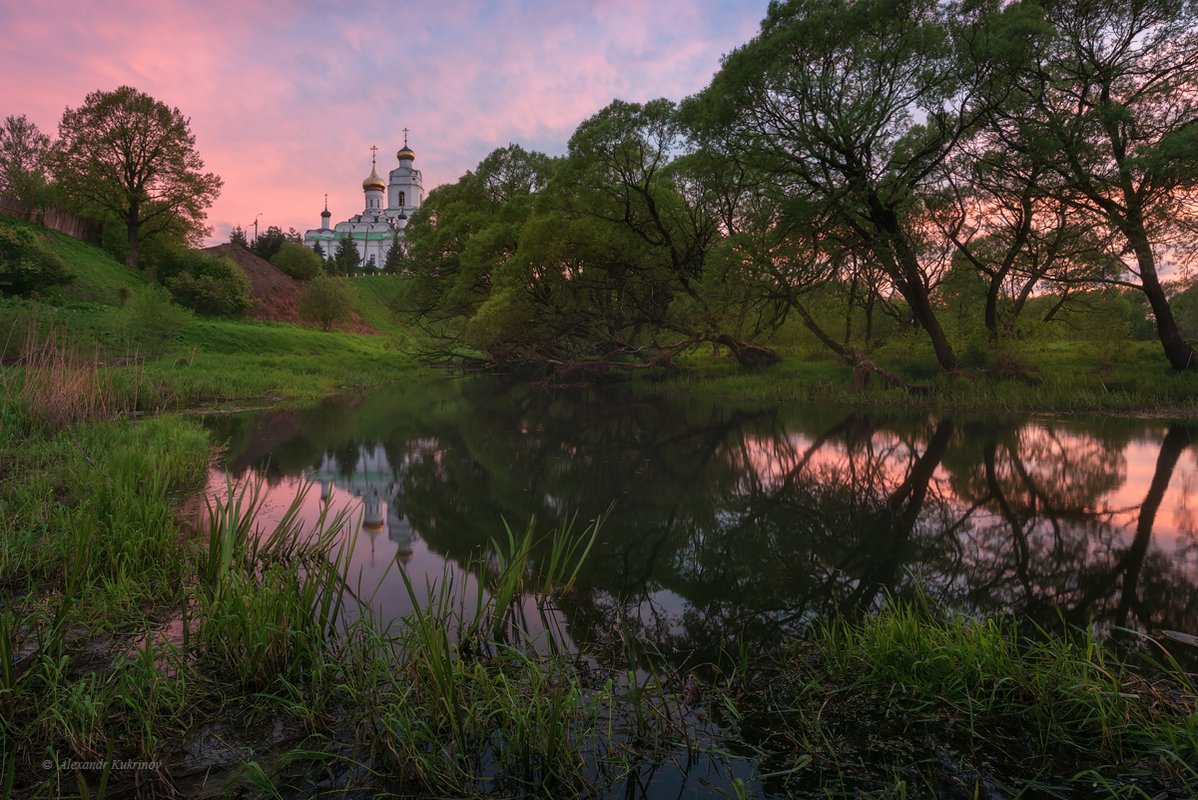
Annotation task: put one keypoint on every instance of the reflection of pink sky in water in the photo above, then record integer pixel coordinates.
(380, 550)
(1095, 488)
(768, 462)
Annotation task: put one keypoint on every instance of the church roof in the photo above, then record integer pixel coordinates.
(374, 181)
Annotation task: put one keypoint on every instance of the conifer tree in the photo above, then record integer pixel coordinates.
(393, 264)
(346, 257)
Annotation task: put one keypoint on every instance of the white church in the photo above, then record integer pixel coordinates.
(376, 228)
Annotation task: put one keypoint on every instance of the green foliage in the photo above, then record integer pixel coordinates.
(237, 236)
(346, 257)
(150, 319)
(393, 264)
(206, 284)
(908, 670)
(24, 160)
(267, 244)
(297, 261)
(103, 164)
(26, 264)
(325, 301)
(268, 604)
(1185, 306)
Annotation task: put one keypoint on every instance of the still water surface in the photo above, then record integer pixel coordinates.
(732, 521)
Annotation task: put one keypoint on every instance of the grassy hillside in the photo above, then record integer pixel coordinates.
(98, 277)
(171, 357)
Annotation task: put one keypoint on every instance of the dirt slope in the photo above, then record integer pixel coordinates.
(276, 295)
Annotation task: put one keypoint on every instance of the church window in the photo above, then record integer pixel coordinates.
(401, 200)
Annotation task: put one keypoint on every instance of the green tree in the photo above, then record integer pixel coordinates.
(269, 242)
(849, 107)
(393, 264)
(464, 230)
(318, 250)
(132, 156)
(1110, 104)
(24, 159)
(237, 236)
(325, 300)
(205, 283)
(346, 257)
(297, 261)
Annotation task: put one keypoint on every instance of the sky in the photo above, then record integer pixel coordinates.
(286, 98)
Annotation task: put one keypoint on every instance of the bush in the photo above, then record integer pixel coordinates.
(204, 283)
(149, 317)
(297, 261)
(26, 264)
(325, 300)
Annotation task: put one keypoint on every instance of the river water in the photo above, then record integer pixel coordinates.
(726, 523)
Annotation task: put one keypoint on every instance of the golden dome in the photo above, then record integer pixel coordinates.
(405, 152)
(374, 181)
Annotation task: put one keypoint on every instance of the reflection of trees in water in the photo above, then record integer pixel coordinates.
(752, 521)
(1046, 542)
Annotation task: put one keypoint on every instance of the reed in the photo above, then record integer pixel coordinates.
(59, 388)
(268, 603)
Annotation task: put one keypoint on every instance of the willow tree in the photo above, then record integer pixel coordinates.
(1110, 104)
(127, 154)
(849, 108)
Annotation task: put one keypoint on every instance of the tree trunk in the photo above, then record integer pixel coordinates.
(895, 523)
(1177, 350)
(916, 295)
(862, 366)
(901, 264)
(132, 225)
(991, 316)
(748, 354)
(1176, 440)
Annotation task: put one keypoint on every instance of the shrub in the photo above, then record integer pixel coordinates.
(149, 316)
(204, 283)
(26, 264)
(297, 261)
(325, 300)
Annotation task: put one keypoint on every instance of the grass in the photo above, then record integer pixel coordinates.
(122, 633)
(98, 278)
(1059, 376)
(949, 706)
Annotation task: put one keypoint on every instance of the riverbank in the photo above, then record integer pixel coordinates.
(235, 663)
(1030, 377)
(239, 664)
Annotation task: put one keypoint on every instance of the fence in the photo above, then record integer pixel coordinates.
(52, 217)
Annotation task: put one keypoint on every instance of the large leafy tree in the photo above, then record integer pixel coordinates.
(465, 232)
(134, 157)
(24, 155)
(1110, 104)
(849, 108)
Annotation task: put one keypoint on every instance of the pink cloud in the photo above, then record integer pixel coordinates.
(285, 99)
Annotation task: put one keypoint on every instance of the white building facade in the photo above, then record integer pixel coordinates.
(384, 217)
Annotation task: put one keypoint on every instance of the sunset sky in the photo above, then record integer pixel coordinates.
(286, 98)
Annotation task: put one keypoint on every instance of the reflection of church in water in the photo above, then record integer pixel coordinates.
(374, 481)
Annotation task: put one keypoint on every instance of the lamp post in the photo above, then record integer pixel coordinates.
(256, 228)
